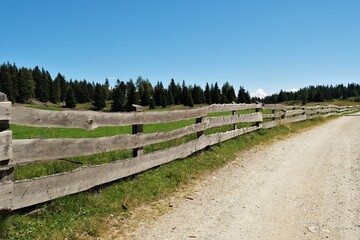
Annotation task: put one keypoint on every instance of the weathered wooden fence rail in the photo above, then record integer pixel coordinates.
(23, 193)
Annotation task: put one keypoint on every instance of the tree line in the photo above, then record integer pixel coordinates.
(318, 93)
(23, 84)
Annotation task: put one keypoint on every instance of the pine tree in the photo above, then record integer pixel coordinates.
(6, 83)
(41, 79)
(63, 87)
(241, 95)
(159, 94)
(281, 97)
(26, 85)
(55, 90)
(14, 81)
(131, 96)
(173, 92)
(70, 101)
(119, 97)
(197, 94)
(189, 99)
(215, 94)
(227, 93)
(99, 96)
(207, 94)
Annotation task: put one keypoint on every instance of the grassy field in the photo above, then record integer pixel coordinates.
(84, 214)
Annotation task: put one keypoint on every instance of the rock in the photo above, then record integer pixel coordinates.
(171, 202)
(312, 229)
(3, 97)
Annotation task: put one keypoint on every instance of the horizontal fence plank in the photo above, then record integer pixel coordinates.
(309, 111)
(232, 107)
(42, 189)
(5, 110)
(233, 119)
(273, 106)
(32, 150)
(293, 112)
(92, 119)
(6, 195)
(273, 115)
(6, 145)
(271, 124)
(294, 119)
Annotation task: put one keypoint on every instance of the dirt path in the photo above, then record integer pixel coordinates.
(305, 187)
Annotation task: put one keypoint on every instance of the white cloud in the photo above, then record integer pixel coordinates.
(260, 93)
(293, 90)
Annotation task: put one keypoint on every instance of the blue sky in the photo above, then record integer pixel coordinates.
(268, 44)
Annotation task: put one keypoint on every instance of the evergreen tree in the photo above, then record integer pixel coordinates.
(189, 99)
(227, 93)
(247, 97)
(70, 101)
(63, 87)
(145, 90)
(56, 90)
(99, 96)
(107, 89)
(6, 83)
(41, 84)
(172, 89)
(197, 95)
(164, 98)
(207, 94)
(159, 94)
(281, 97)
(170, 98)
(131, 95)
(241, 95)
(319, 96)
(26, 85)
(215, 94)
(14, 72)
(119, 97)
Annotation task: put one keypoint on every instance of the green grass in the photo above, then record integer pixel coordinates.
(84, 214)
(58, 166)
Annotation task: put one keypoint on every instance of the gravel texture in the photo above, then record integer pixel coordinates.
(304, 187)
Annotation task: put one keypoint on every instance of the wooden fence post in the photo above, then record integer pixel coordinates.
(257, 109)
(6, 171)
(273, 112)
(199, 120)
(138, 129)
(234, 125)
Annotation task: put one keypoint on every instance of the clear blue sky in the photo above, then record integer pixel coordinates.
(268, 44)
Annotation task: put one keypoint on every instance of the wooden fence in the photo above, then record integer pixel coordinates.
(16, 194)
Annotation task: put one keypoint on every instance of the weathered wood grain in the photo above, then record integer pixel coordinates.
(293, 120)
(271, 124)
(311, 111)
(232, 107)
(93, 119)
(6, 195)
(6, 145)
(293, 112)
(273, 115)
(273, 106)
(5, 110)
(32, 150)
(233, 119)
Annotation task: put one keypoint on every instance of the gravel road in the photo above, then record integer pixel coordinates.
(304, 187)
